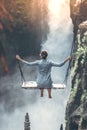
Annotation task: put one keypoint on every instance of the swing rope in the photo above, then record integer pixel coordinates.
(66, 76)
(69, 65)
(67, 71)
(21, 72)
(19, 66)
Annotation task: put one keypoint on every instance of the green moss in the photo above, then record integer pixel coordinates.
(80, 57)
(82, 48)
(74, 69)
(81, 52)
(84, 95)
(74, 89)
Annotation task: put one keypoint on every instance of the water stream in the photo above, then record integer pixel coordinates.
(45, 113)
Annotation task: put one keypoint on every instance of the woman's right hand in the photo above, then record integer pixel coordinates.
(69, 58)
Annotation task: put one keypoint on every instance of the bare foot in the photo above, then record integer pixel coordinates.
(41, 95)
(50, 96)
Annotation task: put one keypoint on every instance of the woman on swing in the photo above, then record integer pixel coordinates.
(44, 71)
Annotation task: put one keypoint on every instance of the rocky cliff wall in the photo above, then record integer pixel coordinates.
(23, 27)
(76, 111)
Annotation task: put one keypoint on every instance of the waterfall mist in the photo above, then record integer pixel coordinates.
(45, 113)
(59, 40)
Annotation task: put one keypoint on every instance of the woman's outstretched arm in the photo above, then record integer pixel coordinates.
(61, 64)
(26, 62)
(68, 59)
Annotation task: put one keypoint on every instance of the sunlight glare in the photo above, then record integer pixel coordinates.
(53, 5)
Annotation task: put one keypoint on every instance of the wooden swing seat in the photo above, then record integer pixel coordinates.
(33, 85)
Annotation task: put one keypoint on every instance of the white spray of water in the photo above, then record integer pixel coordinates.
(46, 114)
(59, 40)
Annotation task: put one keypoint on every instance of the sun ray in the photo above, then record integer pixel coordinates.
(53, 5)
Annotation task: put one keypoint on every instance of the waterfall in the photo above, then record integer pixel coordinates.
(44, 113)
(59, 40)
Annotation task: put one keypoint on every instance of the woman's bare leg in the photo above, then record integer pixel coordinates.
(41, 90)
(49, 92)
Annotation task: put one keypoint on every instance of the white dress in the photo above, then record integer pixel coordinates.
(44, 66)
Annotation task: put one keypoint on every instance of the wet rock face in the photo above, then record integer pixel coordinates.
(76, 106)
(78, 10)
(23, 25)
(78, 13)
